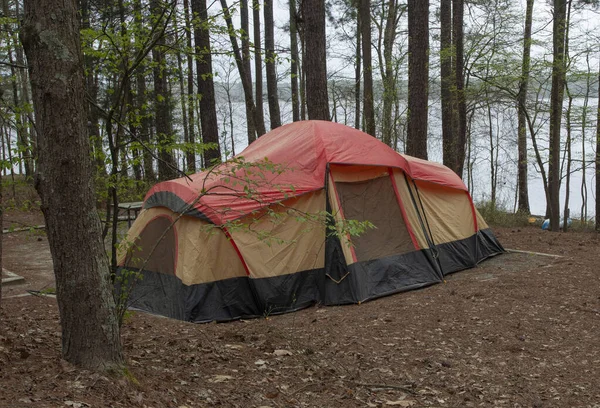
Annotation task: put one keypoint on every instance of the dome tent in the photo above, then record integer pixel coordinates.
(199, 239)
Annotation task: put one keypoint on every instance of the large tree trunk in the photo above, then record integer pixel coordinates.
(418, 77)
(206, 87)
(447, 82)
(90, 331)
(460, 122)
(365, 31)
(294, 62)
(522, 184)
(270, 58)
(556, 102)
(315, 57)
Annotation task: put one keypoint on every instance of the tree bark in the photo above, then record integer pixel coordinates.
(90, 331)
(447, 82)
(418, 77)
(246, 80)
(258, 82)
(522, 184)
(597, 158)
(270, 61)
(294, 62)
(460, 122)
(315, 66)
(162, 108)
(191, 148)
(357, 73)
(556, 102)
(368, 104)
(387, 71)
(206, 87)
(251, 116)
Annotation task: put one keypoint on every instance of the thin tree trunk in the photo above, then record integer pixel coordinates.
(258, 82)
(418, 77)
(460, 124)
(365, 30)
(251, 115)
(294, 62)
(206, 87)
(357, 73)
(90, 331)
(568, 149)
(183, 98)
(162, 108)
(597, 158)
(246, 82)
(271, 67)
(142, 132)
(317, 100)
(446, 74)
(191, 149)
(584, 112)
(388, 75)
(556, 102)
(522, 182)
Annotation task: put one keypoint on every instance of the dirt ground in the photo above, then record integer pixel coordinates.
(521, 330)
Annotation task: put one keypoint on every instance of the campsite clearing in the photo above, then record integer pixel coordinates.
(519, 331)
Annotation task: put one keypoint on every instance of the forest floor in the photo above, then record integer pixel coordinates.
(521, 330)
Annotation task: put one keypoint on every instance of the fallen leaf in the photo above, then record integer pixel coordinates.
(280, 353)
(401, 403)
(220, 378)
(260, 362)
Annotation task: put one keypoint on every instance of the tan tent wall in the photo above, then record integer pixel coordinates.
(412, 217)
(339, 218)
(449, 212)
(287, 243)
(481, 224)
(203, 252)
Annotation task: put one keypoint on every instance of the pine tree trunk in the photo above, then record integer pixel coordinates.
(270, 59)
(294, 62)
(90, 332)
(556, 102)
(357, 73)
(162, 107)
(251, 116)
(365, 31)
(418, 77)
(460, 122)
(597, 158)
(246, 80)
(191, 149)
(447, 82)
(315, 65)
(258, 82)
(206, 87)
(522, 182)
(388, 75)
(183, 98)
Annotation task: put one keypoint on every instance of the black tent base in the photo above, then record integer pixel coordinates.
(245, 297)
